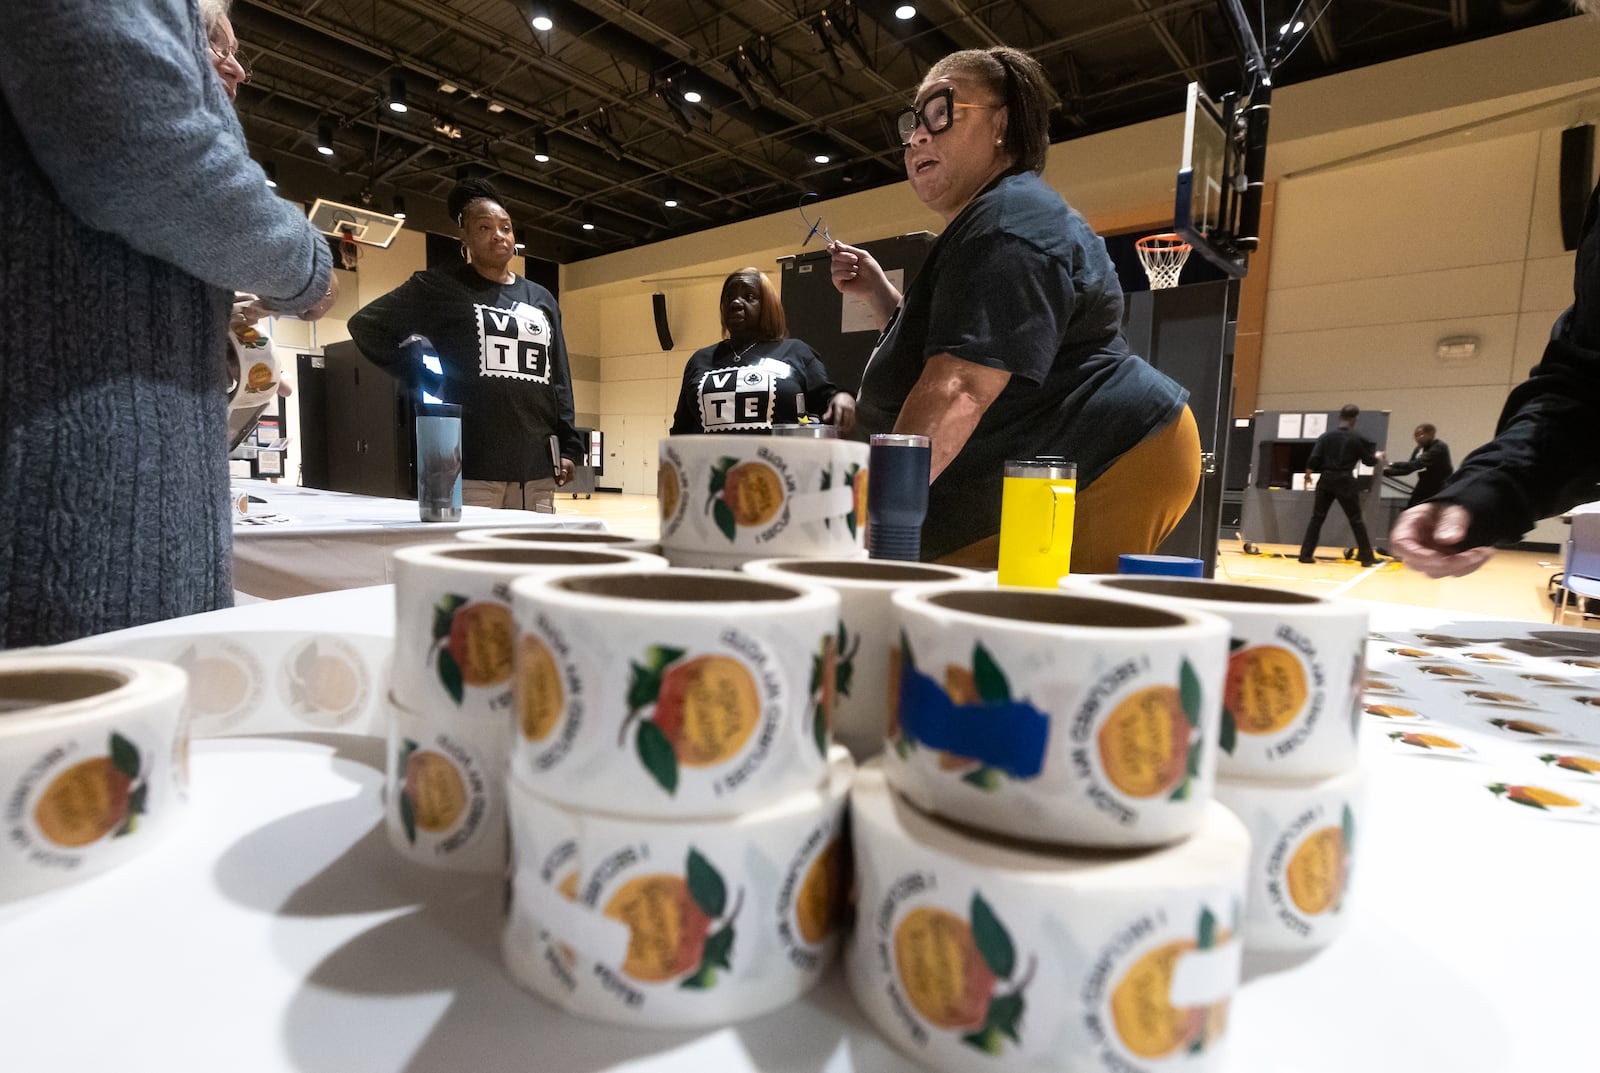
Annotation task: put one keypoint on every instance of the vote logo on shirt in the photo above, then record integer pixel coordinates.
(514, 343)
(733, 399)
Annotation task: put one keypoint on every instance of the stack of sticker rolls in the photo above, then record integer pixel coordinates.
(1289, 765)
(450, 701)
(677, 808)
(1044, 880)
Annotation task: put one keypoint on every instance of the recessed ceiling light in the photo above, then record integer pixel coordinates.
(446, 87)
(905, 11)
(543, 23)
(496, 107)
(692, 96)
(821, 158)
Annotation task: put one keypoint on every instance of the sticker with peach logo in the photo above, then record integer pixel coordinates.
(1392, 711)
(1526, 727)
(811, 901)
(970, 719)
(547, 694)
(1149, 745)
(702, 710)
(226, 682)
(1584, 765)
(325, 681)
(1267, 689)
(1543, 799)
(440, 795)
(744, 494)
(1143, 1014)
(963, 975)
(824, 688)
(1433, 743)
(94, 798)
(679, 927)
(669, 489)
(856, 479)
(1317, 874)
(473, 643)
(1498, 699)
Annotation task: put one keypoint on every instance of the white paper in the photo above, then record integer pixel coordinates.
(1289, 426)
(1202, 977)
(1315, 425)
(856, 315)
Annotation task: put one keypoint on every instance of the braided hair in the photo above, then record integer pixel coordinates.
(465, 193)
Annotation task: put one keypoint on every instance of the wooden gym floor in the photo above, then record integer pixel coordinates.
(1512, 585)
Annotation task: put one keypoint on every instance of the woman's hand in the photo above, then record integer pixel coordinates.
(841, 413)
(856, 272)
(320, 310)
(1428, 536)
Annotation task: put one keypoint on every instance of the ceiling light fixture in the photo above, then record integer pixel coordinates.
(521, 245)
(539, 17)
(904, 12)
(399, 208)
(495, 107)
(670, 199)
(588, 218)
(819, 30)
(692, 96)
(846, 26)
(397, 93)
(541, 147)
(759, 56)
(447, 87)
(325, 137)
(822, 158)
(747, 90)
(598, 127)
(1291, 28)
(271, 171)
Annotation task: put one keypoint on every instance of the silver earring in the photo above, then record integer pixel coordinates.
(466, 254)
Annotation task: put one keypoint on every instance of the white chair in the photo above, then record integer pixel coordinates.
(1581, 576)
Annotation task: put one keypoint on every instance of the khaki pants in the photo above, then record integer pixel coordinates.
(1129, 510)
(512, 495)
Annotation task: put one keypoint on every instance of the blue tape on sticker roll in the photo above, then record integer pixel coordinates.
(1165, 565)
(1008, 735)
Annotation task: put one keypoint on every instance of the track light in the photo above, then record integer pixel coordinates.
(588, 218)
(845, 26)
(758, 55)
(752, 99)
(325, 137)
(599, 128)
(399, 212)
(819, 30)
(541, 147)
(670, 198)
(397, 94)
(271, 171)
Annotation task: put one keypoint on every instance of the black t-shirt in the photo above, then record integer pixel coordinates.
(1018, 282)
(504, 361)
(773, 382)
(1337, 451)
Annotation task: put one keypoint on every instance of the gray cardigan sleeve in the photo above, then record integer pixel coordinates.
(124, 114)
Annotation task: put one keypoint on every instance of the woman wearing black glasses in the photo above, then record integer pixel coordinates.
(1008, 344)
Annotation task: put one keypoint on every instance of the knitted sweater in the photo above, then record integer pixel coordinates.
(129, 210)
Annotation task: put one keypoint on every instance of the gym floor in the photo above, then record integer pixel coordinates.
(1513, 585)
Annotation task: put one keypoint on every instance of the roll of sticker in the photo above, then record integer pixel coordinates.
(272, 681)
(728, 499)
(258, 374)
(445, 794)
(866, 636)
(976, 952)
(1292, 698)
(559, 538)
(673, 923)
(1064, 718)
(94, 765)
(1303, 840)
(679, 693)
(453, 634)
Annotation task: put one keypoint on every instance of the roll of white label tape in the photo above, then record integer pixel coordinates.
(1304, 838)
(728, 499)
(559, 538)
(94, 755)
(258, 374)
(677, 923)
(1292, 698)
(272, 681)
(445, 796)
(1067, 719)
(974, 952)
(867, 634)
(679, 693)
(453, 634)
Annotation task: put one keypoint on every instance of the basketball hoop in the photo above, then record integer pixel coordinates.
(1163, 257)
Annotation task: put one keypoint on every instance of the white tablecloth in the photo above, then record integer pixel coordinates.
(279, 933)
(305, 540)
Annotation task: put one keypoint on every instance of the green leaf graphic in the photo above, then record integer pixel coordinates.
(985, 778)
(138, 800)
(842, 675)
(1189, 692)
(906, 659)
(987, 1041)
(1005, 1013)
(706, 887)
(129, 826)
(819, 728)
(1193, 766)
(722, 514)
(703, 980)
(992, 939)
(644, 686)
(124, 755)
(989, 679)
(408, 817)
(1199, 1045)
(719, 949)
(1181, 793)
(1347, 824)
(1230, 733)
(1236, 643)
(719, 473)
(655, 752)
(661, 657)
(1207, 934)
(450, 674)
(444, 613)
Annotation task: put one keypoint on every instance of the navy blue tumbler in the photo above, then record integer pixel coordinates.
(897, 495)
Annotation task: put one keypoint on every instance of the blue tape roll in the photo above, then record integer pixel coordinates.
(1164, 565)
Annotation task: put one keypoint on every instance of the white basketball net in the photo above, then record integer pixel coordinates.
(1163, 257)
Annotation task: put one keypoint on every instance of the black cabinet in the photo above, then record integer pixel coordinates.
(357, 429)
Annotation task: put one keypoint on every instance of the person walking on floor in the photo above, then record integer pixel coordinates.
(1334, 458)
(1430, 460)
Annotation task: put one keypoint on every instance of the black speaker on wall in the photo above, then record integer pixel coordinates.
(1577, 180)
(663, 332)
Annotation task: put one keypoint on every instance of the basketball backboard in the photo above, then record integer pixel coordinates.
(1210, 173)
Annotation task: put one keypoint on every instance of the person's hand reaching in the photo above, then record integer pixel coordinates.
(1428, 536)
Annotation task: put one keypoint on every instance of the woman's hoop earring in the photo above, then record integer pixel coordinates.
(466, 254)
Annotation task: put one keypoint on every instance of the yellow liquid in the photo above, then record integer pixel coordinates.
(1036, 515)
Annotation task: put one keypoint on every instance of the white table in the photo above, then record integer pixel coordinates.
(306, 540)
(278, 933)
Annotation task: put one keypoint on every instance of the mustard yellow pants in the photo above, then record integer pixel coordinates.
(1130, 509)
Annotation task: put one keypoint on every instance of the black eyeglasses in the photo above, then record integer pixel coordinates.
(935, 115)
(224, 55)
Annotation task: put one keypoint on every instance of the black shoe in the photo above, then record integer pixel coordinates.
(1304, 559)
(1373, 562)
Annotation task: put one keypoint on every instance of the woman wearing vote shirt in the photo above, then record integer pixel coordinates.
(503, 358)
(756, 377)
(1008, 344)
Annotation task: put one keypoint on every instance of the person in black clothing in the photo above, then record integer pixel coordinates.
(501, 351)
(1430, 459)
(756, 377)
(1334, 456)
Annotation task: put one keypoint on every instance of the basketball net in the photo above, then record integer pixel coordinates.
(1162, 257)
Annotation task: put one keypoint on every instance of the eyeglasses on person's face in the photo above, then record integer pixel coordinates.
(935, 115)
(223, 55)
